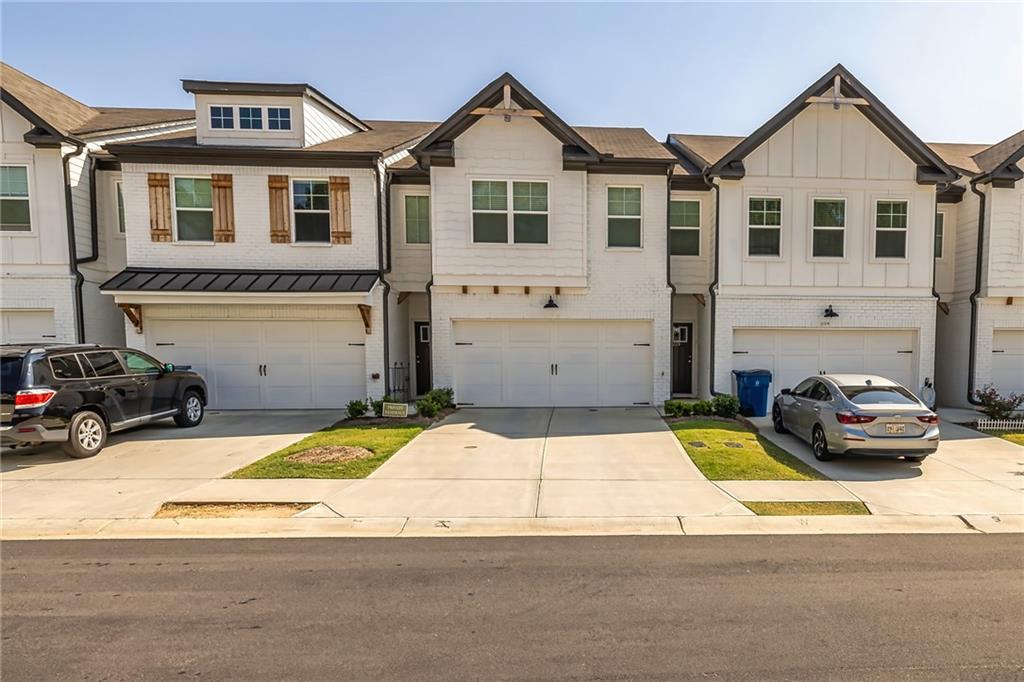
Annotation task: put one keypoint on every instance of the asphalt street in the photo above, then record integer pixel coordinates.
(849, 607)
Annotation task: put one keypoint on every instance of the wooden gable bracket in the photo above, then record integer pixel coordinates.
(133, 311)
(700, 298)
(506, 109)
(836, 98)
(364, 312)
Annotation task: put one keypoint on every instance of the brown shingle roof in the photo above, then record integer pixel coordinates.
(959, 155)
(1000, 152)
(709, 148)
(115, 118)
(624, 143)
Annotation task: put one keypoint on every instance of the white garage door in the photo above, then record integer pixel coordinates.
(27, 326)
(268, 364)
(795, 354)
(1008, 360)
(522, 364)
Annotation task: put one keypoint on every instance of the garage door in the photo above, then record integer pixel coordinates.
(1008, 360)
(268, 364)
(27, 326)
(794, 354)
(521, 364)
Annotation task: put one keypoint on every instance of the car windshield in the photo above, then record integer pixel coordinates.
(10, 373)
(879, 395)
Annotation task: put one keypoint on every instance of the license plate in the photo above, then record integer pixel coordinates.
(895, 428)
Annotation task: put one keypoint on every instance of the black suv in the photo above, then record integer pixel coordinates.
(76, 395)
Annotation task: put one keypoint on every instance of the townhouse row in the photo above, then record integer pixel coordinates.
(299, 256)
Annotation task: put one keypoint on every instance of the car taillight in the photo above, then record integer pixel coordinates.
(929, 419)
(851, 418)
(33, 397)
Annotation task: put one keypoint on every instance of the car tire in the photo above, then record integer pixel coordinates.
(86, 436)
(777, 421)
(915, 458)
(190, 411)
(819, 445)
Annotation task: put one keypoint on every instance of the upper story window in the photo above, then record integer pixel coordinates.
(250, 118)
(625, 216)
(764, 226)
(193, 209)
(14, 202)
(120, 207)
(940, 233)
(684, 228)
(279, 118)
(529, 210)
(891, 229)
(311, 204)
(828, 239)
(222, 117)
(417, 219)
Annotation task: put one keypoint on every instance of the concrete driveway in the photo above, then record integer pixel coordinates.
(140, 469)
(561, 462)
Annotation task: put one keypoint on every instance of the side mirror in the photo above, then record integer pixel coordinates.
(168, 367)
(786, 391)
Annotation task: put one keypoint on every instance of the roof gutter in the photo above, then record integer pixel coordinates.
(94, 229)
(668, 271)
(72, 250)
(713, 288)
(971, 363)
(380, 182)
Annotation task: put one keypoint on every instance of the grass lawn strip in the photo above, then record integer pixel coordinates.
(1016, 437)
(758, 460)
(382, 440)
(233, 510)
(807, 508)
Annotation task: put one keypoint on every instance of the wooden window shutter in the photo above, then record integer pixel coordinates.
(223, 208)
(160, 207)
(341, 211)
(280, 209)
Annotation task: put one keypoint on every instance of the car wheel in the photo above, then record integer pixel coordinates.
(191, 411)
(86, 436)
(916, 458)
(820, 446)
(780, 426)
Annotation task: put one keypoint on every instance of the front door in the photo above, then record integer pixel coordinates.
(682, 358)
(422, 332)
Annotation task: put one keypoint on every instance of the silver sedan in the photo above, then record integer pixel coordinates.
(857, 414)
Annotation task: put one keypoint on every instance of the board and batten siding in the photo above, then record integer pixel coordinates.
(410, 262)
(693, 274)
(826, 153)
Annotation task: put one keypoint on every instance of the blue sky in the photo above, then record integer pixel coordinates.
(952, 71)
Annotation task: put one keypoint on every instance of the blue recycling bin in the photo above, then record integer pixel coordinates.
(752, 387)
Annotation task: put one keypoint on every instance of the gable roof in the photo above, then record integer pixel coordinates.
(987, 162)
(930, 166)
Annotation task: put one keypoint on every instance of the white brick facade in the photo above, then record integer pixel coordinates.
(54, 293)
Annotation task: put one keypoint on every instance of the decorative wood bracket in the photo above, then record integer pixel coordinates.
(506, 108)
(1009, 300)
(944, 307)
(700, 298)
(402, 296)
(133, 311)
(836, 98)
(364, 312)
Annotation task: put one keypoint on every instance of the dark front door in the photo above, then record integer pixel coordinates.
(422, 347)
(682, 357)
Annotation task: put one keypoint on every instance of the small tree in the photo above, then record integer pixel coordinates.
(996, 406)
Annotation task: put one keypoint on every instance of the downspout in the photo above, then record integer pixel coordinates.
(380, 273)
(668, 279)
(94, 229)
(974, 294)
(713, 288)
(72, 249)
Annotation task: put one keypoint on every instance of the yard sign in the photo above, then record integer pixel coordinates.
(400, 410)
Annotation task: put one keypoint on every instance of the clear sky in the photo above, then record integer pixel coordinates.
(952, 71)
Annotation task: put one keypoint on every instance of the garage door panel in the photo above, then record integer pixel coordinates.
(577, 383)
(1008, 360)
(27, 326)
(526, 376)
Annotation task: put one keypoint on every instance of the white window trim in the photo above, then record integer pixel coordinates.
(31, 231)
(120, 230)
(746, 232)
(263, 117)
(875, 258)
(509, 212)
(175, 209)
(608, 217)
(266, 119)
(234, 117)
(945, 223)
(846, 224)
(699, 229)
(430, 221)
(291, 198)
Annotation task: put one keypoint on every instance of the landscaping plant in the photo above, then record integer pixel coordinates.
(355, 409)
(435, 401)
(996, 406)
(727, 406)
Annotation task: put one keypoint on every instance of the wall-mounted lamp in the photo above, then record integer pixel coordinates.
(830, 313)
(551, 302)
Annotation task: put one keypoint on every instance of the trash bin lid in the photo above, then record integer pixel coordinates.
(752, 372)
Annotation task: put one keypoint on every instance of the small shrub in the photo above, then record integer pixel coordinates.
(727, 406)
(427, 408)
(378, 405)
(996, 406)
(704, 408)
(674, 408)
(356, 408)
(685, 409)
(442, 397)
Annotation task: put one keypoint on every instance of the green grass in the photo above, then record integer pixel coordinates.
(758, 460)
(382, 440)
(1012, 436)
(807, 508)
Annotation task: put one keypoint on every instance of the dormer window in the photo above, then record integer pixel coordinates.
(222, 117)
(279, 118)
(250, 118)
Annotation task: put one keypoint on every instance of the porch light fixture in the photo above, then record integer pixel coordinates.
(830, 313)
(551, 302)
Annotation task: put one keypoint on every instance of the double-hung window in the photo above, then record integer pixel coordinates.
(625, 217)
(890, 229)
(250, 118)
(311, 202)
(764, 226)
(14, 203)
(684, 228)
(491, 211)
(417, 219)
(120, 207)
(828, 228)
(940, 233)
(222, 117)
(193, 209)
(279, 118)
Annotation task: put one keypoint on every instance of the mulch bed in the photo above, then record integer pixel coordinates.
(411, 420)
(226, 510)
(330, 454)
